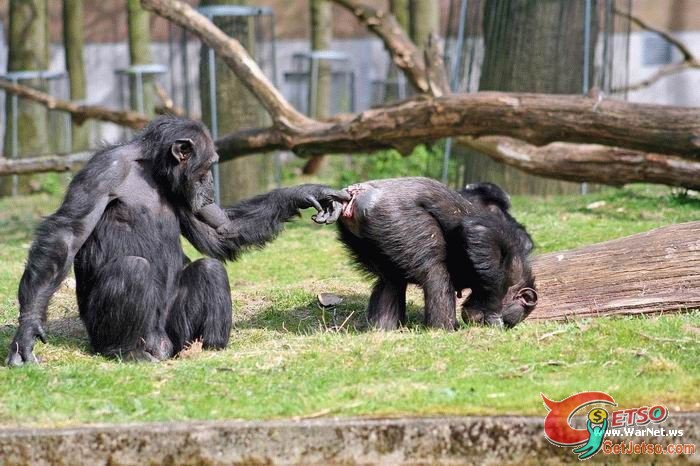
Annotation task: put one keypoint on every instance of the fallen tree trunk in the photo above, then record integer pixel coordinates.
(647, 273)
(612, 166)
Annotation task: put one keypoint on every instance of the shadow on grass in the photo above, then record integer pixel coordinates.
(348, 316)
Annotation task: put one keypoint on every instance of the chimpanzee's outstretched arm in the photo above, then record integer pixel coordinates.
(252, 222)
(57, 240)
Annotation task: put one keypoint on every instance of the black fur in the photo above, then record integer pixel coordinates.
(120, 225)
(415, 230)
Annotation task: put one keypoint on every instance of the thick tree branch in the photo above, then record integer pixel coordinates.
(602, 164)
(403, 51)
(49, 163)
(234, 55)
(653, 272)
(612, 166)
(79, 113)
(536, 118)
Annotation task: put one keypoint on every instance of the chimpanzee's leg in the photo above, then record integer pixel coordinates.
(120, 309)
(387, 304)
(439, 298)
(202, 308)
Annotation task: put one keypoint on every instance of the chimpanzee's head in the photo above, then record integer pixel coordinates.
(498, 248)
(183, 156)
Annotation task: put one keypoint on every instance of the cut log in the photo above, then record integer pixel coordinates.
(648, 273)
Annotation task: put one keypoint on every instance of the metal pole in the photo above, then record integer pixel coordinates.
(139, 92)
(586, 61)
(122, 97)
(15, 137)
(586, 46)
(186, 74)
(275, 81)
(313, 86)
(171, 58)
(214, 118)
(456, 62)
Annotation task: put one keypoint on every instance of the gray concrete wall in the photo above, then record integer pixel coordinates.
(447, 440)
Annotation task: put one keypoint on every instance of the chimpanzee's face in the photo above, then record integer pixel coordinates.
(514, 305)
(194, 158)
(517, 304)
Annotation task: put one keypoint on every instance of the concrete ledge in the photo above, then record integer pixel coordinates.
(444, 440)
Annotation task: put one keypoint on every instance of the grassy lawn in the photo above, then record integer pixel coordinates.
(287, 358)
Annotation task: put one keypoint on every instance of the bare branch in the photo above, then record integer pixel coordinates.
(79, 113)
(682, 48)
(689, 59)
(49, 163)
(234, 55)
(667, 70)
(403, 51)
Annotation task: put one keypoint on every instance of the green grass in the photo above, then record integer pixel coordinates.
(287, 358)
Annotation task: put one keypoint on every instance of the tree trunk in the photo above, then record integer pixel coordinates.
(237, 109)
(653, 272)
(74, 41)
(400, 10)
(392, 88)
(425, 19)
(321, 37)
(140, 54)
(28, 50)
(530, 46)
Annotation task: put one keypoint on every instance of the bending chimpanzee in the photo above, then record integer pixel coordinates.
(415, 230)
(119, 225)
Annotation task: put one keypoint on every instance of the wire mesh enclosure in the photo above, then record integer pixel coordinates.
(557, 46)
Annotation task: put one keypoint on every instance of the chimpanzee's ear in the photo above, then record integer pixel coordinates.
(182, 149)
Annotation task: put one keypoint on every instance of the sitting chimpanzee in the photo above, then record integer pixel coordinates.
(415, 230)
(138, 294)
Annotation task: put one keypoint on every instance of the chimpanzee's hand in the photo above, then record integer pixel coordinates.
(23, 344)
(328, 215)
(325, 200)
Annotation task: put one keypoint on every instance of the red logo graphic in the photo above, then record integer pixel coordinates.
(557, 428)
